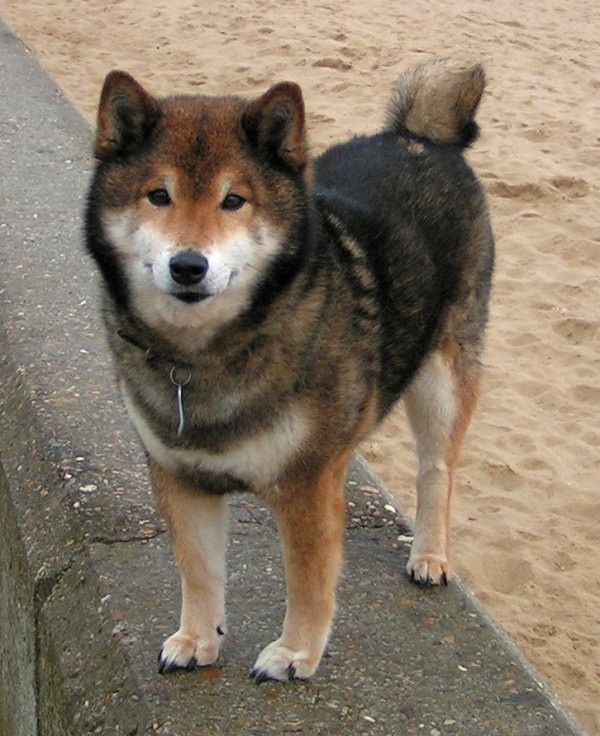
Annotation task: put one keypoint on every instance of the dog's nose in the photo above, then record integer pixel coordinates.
(188, 268)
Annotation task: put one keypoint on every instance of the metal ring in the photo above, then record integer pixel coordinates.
(183, 381)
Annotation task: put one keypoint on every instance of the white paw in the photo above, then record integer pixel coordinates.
(278, 662)
(185, 652)
(428, 569)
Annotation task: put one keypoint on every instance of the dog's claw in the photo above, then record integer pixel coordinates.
(421, 582)
(259, 676)
(428, 571)
(164, 666)
(191, 665)
(425, 583)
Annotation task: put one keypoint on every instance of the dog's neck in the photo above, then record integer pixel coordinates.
(178, 372)
(138, 335)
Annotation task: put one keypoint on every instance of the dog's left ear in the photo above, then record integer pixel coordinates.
(126, 116)
(275, 124)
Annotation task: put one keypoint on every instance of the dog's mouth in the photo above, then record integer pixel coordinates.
(195, 296)
(190, 297)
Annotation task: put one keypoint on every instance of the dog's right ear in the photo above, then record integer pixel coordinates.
(126, 115)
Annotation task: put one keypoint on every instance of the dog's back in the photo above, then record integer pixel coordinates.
(417, 219)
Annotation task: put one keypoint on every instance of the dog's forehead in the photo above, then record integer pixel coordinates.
(206, 128)
(199, 138)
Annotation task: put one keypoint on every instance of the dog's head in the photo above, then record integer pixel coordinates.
(196, 200)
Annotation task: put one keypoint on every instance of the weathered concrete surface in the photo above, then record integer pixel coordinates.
(89, 589)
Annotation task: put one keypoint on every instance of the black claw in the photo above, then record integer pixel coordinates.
(162, 663)
(428, 582)
(291, 672)
(220, 631)
(164, 666)
(191, 665)
(260, 676)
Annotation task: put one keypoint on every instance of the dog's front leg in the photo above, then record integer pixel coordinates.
(310, 519)
(198, 526)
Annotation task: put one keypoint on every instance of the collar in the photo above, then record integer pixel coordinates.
(150, 354)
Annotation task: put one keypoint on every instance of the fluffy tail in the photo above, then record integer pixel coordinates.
(437, 100)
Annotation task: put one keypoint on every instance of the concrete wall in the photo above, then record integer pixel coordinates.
(17, 628)
(31, 696)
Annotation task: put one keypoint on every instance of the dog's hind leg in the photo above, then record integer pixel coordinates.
(198, 526)
(439, 403)
(311, 520)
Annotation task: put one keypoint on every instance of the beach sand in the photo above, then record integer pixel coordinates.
(526, 508)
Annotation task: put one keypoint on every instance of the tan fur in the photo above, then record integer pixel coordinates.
(467, 386)
(199, 223)
(433, 100)
(439, 404)
(198, 525)
(310, 518)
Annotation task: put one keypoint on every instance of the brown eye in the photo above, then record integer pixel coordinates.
(233, 202)
(159, 197)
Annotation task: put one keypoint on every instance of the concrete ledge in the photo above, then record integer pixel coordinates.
(88, 585)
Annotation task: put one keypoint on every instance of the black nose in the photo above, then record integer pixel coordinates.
(188, 268)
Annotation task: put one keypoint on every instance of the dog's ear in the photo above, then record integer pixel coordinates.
(275, 124)
(126, 115)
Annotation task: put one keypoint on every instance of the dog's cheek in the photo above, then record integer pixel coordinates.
(221, 264)
(144, 253)
(157, 271)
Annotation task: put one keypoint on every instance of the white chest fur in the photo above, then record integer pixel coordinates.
(258, 460)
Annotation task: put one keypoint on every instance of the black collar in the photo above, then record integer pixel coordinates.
(150, 354)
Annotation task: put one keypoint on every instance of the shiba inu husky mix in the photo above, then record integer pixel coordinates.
(267, 310)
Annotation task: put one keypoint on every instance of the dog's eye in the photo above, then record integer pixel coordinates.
(159, 197)
(233, 202)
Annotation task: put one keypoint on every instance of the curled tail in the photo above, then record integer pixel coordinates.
(437, 100)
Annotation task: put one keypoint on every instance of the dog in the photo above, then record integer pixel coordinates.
(266, 310)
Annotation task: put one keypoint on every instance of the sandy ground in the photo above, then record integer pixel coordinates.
(526, 518)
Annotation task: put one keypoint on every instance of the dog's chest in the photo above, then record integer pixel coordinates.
(257, 459)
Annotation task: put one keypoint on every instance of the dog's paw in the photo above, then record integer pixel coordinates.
(428, 569)
(182, 652)
(278, 662)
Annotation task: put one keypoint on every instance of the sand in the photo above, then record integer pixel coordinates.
(526, 516)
